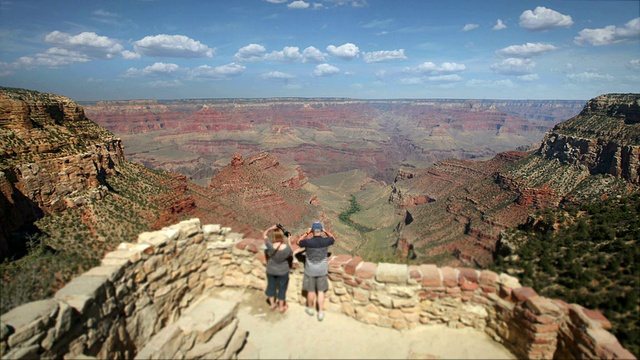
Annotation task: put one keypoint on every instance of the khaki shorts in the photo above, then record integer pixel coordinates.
(315, 283)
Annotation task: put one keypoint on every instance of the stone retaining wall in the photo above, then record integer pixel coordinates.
(149, 300)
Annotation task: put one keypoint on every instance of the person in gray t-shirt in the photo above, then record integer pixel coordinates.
(316, 267)
(278, 255)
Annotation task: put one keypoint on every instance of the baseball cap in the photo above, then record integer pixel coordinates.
(316, 226)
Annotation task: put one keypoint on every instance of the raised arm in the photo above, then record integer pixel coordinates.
(265, 234)
(330, 234)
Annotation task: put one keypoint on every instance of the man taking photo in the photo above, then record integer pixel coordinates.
(316, 268)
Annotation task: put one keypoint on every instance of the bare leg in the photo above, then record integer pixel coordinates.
(320, 301)
(283, 306)
(311, 297)
(272, 302)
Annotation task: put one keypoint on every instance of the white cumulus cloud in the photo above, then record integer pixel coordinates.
(251, 52)
(53, 57)
(298, 4)
(157, 69)
(542, 18)
(514, 66)
(325, 70)
(287, 54)
(277, 75)
(383, 55)
(313, 55)
(85, 44)
(499, 25)
(344, 51)
(529, 77)
(590, 76)
(218, 72)
(164, 45)
(429, 67)
(609, 35)
(634, 64)
(525, 50)
(470, 27)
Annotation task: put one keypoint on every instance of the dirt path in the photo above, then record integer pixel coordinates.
(296, 335)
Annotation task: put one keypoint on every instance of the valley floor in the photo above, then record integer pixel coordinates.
(296, 335)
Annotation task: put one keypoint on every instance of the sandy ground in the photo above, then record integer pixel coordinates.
(296, 335)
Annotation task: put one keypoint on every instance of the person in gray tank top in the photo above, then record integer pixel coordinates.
(316, 267)
(278, 254)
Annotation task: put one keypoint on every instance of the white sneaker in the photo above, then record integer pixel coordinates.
(320, 316)
(309, 311)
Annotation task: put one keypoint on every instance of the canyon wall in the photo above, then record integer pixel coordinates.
(51, 158)
(604, 137)
(148, 299)
(324, 136)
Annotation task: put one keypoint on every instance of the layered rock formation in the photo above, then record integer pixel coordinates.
(593, 155)
(324, 136)
(51, 158)
(265, 192)
(604, 138)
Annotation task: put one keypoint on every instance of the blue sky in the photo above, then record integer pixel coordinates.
(365, 49)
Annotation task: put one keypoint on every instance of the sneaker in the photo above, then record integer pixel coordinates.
(320, 316)
(309, 311)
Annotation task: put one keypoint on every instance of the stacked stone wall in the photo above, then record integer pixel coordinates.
(149, 299)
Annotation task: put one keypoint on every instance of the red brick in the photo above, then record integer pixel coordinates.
(351, 283)
(252, 247)
(505, 292)
(488, 289)
(339, 260)
(242, 244)
(366, 271)
(488, 277)
(453, 290)
(523, 294)
(427, 295)
(449, 276)
(414, 272)
(468, 274)
(351, 266)
(480, 300)
(430, 276)
(469, 286)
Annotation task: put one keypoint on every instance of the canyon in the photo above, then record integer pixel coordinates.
(327, 135)
(429, 181)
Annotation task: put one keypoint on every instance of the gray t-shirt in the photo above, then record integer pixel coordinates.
(278, 259)
(317, 249)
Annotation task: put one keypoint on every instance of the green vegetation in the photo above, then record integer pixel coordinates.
(63, 245)
(345, 216)
(589, 255)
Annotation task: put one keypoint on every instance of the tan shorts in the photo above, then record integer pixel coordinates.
(315, 283)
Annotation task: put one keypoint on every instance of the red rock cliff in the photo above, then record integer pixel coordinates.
(51, 157)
